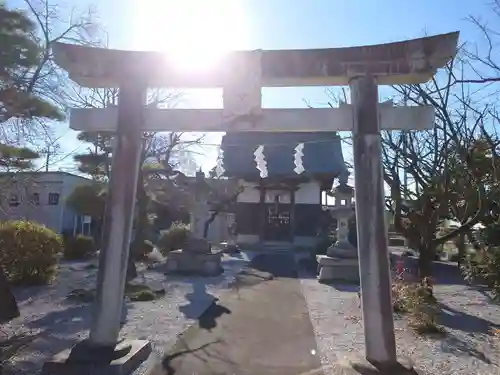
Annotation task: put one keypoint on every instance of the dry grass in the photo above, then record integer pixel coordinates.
(496, 332)
(416, 301)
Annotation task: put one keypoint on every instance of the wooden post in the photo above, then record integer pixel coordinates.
(380, 345)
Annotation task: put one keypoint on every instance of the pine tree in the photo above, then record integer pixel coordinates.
(19, 54)
(13, 159)
(97, 161)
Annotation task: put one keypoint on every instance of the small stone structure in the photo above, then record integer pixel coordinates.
(341, 259)
(231, 247)
(196, 257)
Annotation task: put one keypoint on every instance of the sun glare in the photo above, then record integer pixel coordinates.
(195, 34)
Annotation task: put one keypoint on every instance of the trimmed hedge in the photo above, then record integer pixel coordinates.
(140, 251)
(28, 252)
(174, 237)
(79, 247)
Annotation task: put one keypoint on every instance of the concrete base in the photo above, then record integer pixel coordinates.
(360, 366)
(83, 360)
(208, 264)
(342, 250)
(341, 269)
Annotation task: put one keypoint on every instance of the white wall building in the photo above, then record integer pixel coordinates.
(41, 197)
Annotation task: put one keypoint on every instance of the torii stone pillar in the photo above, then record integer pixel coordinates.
(242, 75)
(373, 254)
(119, 216)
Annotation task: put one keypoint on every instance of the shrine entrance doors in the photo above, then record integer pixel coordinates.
(278, 215)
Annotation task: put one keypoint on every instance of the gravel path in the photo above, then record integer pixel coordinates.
(60, 323)
(334, 311)
(468, 314)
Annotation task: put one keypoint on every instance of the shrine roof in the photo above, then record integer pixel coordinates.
(322, 154)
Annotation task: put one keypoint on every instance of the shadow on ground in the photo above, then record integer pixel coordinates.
(24, 294)
(262, 267)
(486, 292)
(208, 320)
(59, 330)
(308, 267)
(461, 321)
(279, 265)
(458, 347)
(166, 363)
(197, 300)
(263, 329)
(351, 288)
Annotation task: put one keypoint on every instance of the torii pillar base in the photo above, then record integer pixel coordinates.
(84, 359)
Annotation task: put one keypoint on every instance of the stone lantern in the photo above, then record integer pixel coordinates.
(342, 211)
(200, 208)
(341, 259)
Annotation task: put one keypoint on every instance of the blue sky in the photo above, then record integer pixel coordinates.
(279, 24)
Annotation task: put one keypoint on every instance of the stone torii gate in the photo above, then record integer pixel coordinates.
(242, 75)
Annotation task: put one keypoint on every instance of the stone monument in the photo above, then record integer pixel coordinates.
(341, 259)
(196, 257)
(231, 247)
(200, 212)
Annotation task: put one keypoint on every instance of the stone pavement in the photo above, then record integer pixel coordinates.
(261, 327)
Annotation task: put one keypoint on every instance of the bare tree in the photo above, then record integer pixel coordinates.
(482, 59)
(219, 203)
(55, 21)
(439, 164)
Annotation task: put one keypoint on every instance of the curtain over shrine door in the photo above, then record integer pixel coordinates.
(278, 215)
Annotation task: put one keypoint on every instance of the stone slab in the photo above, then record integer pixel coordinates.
(325, 260)
(397, 241)
(195, 263)
(337, 269)
(342, 250)
(261, 328)
(197, 245)
(63, 363)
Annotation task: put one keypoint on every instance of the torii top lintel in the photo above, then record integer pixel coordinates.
(410, 61)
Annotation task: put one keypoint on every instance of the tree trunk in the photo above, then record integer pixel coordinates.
(209, 221)
(141, 227)
(142, 222)
(9, 309)
(425, 260)
(473, 240)
(460, 244)
(131, 269)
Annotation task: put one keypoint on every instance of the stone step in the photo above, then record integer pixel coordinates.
(276, 249)
(269, 247)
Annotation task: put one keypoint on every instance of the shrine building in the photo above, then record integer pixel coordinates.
(284, 208)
